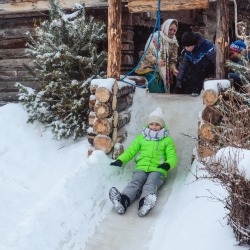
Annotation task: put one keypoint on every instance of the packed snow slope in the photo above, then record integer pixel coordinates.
(55, 198)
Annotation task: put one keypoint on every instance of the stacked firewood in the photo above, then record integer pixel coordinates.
(210, 118)
(109, 103)
(226, 125)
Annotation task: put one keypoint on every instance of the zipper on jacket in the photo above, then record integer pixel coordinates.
(157, 146)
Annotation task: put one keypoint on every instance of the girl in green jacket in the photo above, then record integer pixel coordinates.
(156, 154)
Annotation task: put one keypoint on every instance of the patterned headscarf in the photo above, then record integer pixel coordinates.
(165, 28)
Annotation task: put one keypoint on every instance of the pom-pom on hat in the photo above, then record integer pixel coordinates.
(157, 116)
(237, 46)
(189, 38)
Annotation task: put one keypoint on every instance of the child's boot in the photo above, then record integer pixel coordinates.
(120, 201)
(145, 204)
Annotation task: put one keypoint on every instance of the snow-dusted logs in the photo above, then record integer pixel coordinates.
(104, 94)
(115, 118)
(92, 101)
(206, 132)
(114, 102)
(92, 118)
(103, 142)
(121, 135)
(92, 89)
(211, 114)
(114, 135)
(102, 126)
(212, 89)
(123, 118)
(122, 102)
(118, 150)
(118, 136)
(125, 90)
(103, 110)
(107, 83)
(139, 80)
(109, 102)
(91, 137)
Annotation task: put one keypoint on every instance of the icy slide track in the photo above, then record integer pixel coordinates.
(129, 231)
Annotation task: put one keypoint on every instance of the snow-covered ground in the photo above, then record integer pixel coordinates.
(55, 198)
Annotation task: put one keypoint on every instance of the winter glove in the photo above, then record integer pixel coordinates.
(117, 163)
(164, 166)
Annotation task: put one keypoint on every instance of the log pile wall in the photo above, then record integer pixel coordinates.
(210, 117)
(109, 103)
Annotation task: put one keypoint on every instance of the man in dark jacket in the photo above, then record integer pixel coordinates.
(200, 54)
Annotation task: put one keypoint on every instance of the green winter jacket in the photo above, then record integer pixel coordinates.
(150, 154)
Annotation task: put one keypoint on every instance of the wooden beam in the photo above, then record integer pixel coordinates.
(114, 38)
(31, 5)
(166, 5)
(222, 37)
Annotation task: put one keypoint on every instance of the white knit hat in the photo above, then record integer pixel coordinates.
(157, 116)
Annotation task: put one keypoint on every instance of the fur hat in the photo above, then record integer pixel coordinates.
(189, 38)
(237, 46)
(157, 116)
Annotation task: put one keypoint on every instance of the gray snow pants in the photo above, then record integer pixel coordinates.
(147, 183)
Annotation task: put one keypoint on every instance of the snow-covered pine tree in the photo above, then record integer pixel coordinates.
(69, 52)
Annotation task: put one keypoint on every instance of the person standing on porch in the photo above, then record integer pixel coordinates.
(199, 54)
(167, 58)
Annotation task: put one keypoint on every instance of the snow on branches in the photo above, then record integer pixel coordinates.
(226, 169)
(69, 51)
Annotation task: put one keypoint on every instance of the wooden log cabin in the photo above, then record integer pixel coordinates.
(19, 16)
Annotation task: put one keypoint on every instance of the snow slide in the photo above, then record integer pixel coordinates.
(129, 231)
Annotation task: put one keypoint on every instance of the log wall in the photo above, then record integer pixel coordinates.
(12, 52)
(109, 103)
(13, 26)
(210, 117)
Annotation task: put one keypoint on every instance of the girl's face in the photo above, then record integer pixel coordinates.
(154, 126)
(189, 48)
(172, 30)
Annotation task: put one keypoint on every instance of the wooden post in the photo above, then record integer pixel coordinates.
(114, 38)
(222, 37)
